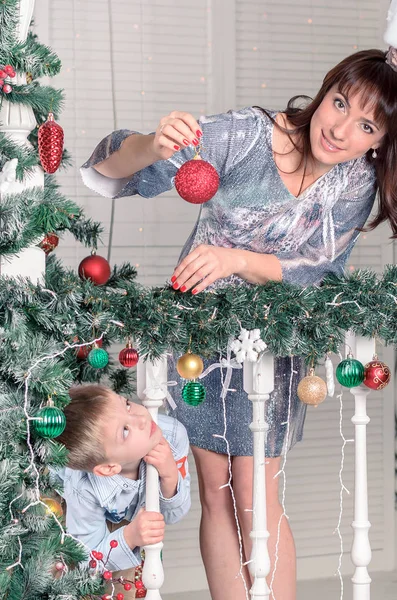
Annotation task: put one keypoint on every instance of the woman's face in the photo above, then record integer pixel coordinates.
(341, 130)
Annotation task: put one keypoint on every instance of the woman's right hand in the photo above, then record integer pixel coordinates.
(175, 131)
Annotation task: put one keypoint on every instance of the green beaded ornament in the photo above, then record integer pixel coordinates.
(98, 358)
(50, 423)
(350, 372)
(194, 393)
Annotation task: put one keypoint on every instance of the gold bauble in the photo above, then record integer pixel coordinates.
(54, 506)
(190, 366)
(312, 389)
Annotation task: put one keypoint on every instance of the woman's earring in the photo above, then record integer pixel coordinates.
(374, 154)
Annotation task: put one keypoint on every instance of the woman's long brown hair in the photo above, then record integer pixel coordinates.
(368, 74)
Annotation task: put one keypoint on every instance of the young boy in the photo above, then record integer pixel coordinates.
(110, 442)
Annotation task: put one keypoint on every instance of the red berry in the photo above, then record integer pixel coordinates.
(106, 597)
(120, 596)
(3, 74)
(7, 88)
(114, 543)
(9, 70)
(93, 563)
(139, 584)
(107, 575)
(99, 555)
(1, 81)
(127, 587)
(94, 553)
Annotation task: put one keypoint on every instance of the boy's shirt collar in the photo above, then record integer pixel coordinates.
(107, 488)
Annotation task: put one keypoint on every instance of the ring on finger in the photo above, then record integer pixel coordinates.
(162, 127)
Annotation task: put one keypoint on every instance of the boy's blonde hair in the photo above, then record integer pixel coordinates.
(84, 426)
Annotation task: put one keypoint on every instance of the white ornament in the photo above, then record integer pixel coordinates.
(248, 345)
(329, 372)
(390, 36)
(8, 175)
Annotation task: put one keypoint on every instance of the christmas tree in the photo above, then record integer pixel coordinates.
(43, 323)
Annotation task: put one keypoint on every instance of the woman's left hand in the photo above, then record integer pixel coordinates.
(205, 264)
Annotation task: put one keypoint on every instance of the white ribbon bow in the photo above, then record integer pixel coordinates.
(8, 175)
(163, 388)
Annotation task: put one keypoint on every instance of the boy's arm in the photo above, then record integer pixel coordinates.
(86, 521)
(175, 508)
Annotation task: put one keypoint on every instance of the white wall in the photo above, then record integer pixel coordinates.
(126, 64)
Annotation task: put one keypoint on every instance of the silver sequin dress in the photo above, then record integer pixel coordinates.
(311, 235)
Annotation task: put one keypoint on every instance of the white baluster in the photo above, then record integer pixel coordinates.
(258, 384)
(363, 350)
(151, 377)
(17, 121)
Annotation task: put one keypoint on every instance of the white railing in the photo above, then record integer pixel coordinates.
(17, 121)
(258, 384)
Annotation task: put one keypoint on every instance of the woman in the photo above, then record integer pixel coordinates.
(295, 188)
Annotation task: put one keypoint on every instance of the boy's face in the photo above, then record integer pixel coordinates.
(129, 433)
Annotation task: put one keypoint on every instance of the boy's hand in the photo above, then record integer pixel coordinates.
(147, 528)
(162, 459)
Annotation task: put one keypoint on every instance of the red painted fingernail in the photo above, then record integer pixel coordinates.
(173, 278)
(183, 288)
(176, 147)
(195, 142)
(176, 285)
(194, 291)
(186, 142)
(199, 133)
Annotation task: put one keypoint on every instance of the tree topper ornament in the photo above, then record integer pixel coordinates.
(248, 345)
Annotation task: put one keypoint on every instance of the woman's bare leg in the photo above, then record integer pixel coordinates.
(218, 530)
(284, 585)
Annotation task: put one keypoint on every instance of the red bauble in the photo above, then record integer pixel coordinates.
(96, 268)
(128, 356)
(197, 181)
(49, 243)
(50, 140)
(377, 374)
(82, 354)
(141, 593)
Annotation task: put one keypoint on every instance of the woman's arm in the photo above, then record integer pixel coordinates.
(135, 153)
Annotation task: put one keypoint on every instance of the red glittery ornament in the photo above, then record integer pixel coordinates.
(50, 140)
(141, 593)
(82, 354)
(197, 181)
(128, 356)
(96, 268)
(376, 375)
(49, 243)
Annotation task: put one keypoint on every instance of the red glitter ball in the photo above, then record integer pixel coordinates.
(376, 375)
(197, 181)
(128, 357)
(140, 593)
(50, 142)
(107, 575)
(49, 243)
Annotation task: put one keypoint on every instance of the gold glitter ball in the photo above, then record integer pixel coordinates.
(312, 389)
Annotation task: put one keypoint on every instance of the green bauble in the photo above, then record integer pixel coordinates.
(51, 424)
(350, 372)
(98, 358)
(194, 393)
